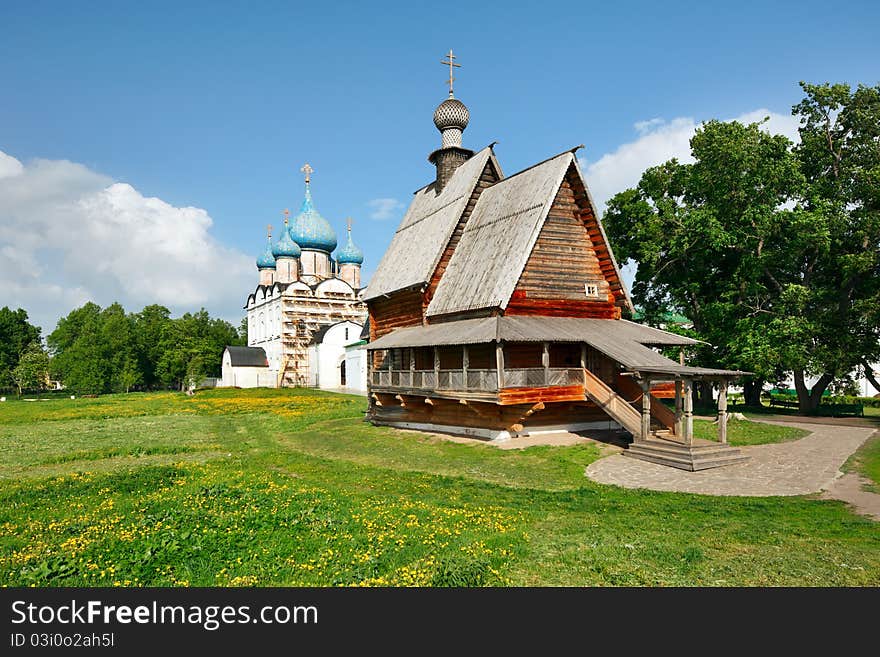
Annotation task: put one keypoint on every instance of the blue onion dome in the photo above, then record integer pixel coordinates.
(350, 254)
(310, 230)
(286, 247)
(267, 260)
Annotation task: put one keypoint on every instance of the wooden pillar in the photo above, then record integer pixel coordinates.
(499, 363)
(722, 412)
(436, 368)
(412, 367)
(369, 379)
(545, 361)
(688, 432)
(645, 385)
(676, 428)
(584, 356)
(464, 367)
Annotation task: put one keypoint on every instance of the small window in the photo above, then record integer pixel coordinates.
(346, 333)
(592, 290)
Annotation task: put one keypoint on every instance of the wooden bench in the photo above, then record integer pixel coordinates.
(836, 410)
(783, 403)
(832, 410)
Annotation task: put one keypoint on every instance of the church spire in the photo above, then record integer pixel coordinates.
(451, 118)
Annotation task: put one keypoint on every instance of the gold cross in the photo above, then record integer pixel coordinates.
(450, 61)
(269, 231)
(349, 222)
(286, 214)
(308, 170)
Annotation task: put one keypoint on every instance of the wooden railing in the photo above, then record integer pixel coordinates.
(612, 403)
(482, 380)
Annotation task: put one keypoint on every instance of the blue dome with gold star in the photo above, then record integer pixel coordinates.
(350, 254)
(310, 230)
(267, 260)
(285, 247)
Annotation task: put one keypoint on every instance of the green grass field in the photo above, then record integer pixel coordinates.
(266, 487)
(866, 462)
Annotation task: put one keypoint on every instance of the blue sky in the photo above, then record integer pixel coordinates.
(214, 107)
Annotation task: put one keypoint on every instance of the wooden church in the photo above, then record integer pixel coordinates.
(497, 312)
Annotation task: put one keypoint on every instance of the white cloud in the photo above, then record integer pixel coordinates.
(383, 209)
(9, 166)
(658, 141)
(70, 235)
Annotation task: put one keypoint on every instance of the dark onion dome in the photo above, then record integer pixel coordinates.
(350, 254)
(310, 230)
(285, 247)
(451, 113)
(267, 260)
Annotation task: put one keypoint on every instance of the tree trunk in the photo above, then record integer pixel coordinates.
(808, 399)
(752, 392)
(703, 393)
(869, 374)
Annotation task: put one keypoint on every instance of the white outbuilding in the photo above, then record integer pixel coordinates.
(247, 367)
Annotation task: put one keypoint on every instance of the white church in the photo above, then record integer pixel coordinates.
(305, 318)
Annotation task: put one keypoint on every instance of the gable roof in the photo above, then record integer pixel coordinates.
(418, 244)
(318, 336)
(247, 357)
(499, 237)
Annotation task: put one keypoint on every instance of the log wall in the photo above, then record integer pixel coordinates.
(563, 260)
(482, 415)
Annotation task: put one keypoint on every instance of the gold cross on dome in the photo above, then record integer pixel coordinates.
(308, 170)
(349, 222)
(450, 61)
(286, 214)
(269, 231)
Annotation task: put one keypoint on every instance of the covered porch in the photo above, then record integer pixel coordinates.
(608, 366)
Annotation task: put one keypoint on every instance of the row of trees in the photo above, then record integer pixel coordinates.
(771, 248)
(98, 350)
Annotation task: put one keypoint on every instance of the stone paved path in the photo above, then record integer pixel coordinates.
(804, 466)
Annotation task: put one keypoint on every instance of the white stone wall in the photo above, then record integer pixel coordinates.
(356, 368)
(330, 354)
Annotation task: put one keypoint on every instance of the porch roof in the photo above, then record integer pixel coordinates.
(625, 342)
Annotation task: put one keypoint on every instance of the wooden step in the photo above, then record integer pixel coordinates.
(691, 458)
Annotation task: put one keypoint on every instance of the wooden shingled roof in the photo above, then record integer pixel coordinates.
(418, 244)
(501, 233)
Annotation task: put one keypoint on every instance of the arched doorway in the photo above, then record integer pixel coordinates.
(342, 374)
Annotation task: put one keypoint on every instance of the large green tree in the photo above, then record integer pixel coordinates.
(32, 370)
(192, 347)
(838, 298)
(16, 333)
(775, 265)
(703, 234)
(150, 325)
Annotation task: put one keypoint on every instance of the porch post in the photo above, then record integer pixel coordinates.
(464, 367)
(722, 412)
(412, 367)
(676, 428)
(545, 361)
(499, 363)
(583, 363)
(688, 412)
(645, 385)
(436, 368)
